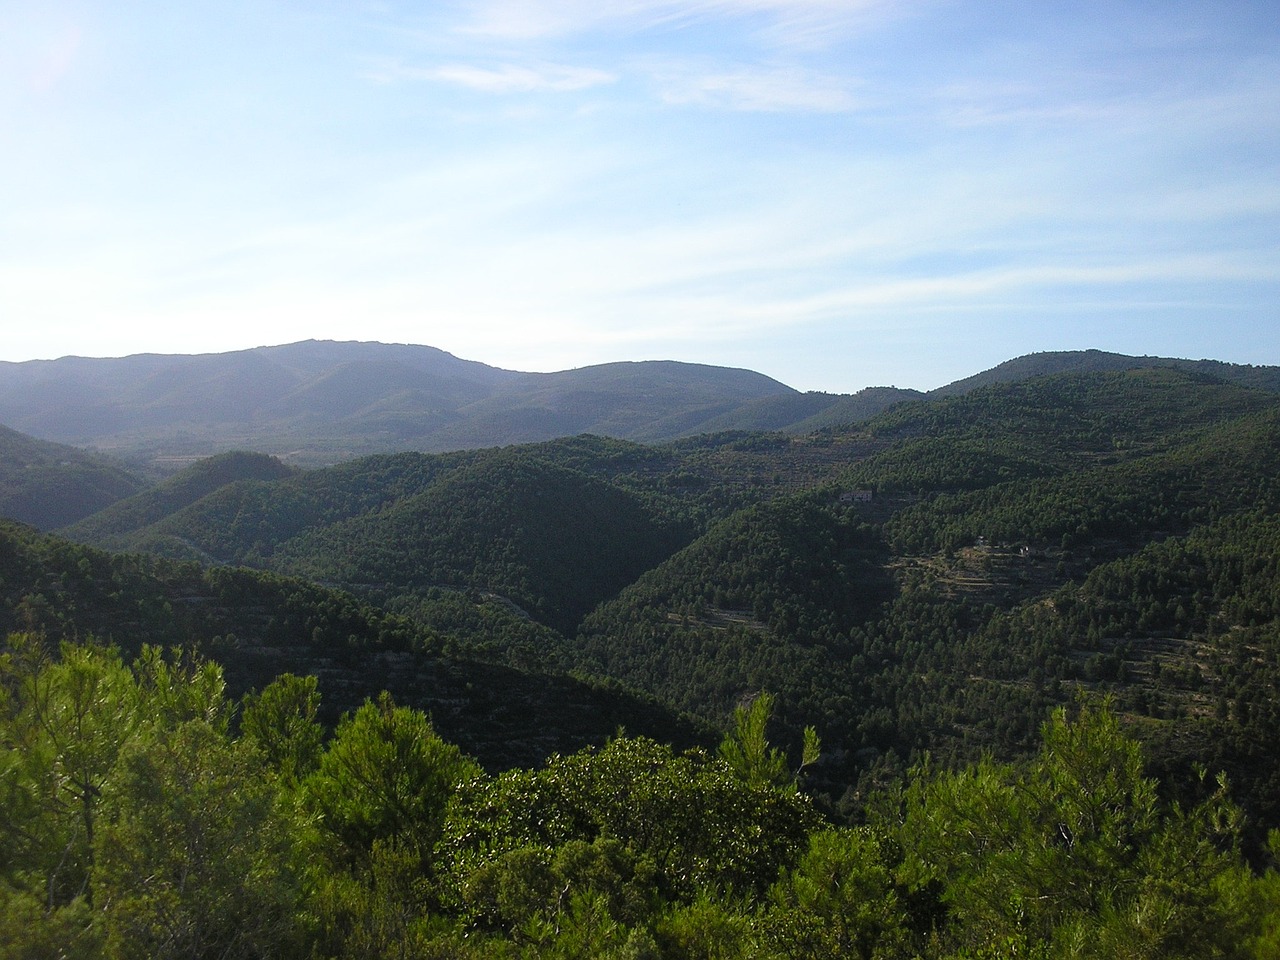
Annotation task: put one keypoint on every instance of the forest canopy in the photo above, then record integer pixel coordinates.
(145, 814)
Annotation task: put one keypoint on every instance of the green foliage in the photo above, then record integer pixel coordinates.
(1073, 851)
(706, 929)
(194, 860)
(529, 889)
(840, 900)
(396, 845)
(746, 747)
(67, 724)
(385, 778)
(29, 930)
(379, 910)
(686, 815)
(122, 791)
(281, 722)
(185, 687)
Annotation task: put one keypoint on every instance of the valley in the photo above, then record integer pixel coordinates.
(924, 585)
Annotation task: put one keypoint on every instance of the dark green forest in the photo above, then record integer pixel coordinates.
(984, 675)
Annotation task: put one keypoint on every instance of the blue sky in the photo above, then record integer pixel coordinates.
(837, 193)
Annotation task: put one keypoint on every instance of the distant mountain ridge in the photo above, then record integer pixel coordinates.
(1100, 361)
(320, 402)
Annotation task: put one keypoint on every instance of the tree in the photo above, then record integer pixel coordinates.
(378, 798)
(747, 751)
(1073, 850)
(386, 776)
(840, 900)
(195, 861)
(183, 687)
(687, 817)
(281, 720)
(67, 724)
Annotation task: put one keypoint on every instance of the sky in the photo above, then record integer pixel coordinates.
(836, 193)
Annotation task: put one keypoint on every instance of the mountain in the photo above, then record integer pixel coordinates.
(321, 402)
(50, 485)
(654, 400)
(1099, 361)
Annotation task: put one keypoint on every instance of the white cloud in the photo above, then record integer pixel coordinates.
(792, 21)
(1248, 102)
(988, 286)
(764, 89)
(502, 78)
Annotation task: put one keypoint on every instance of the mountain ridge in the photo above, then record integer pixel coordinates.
(316, 403)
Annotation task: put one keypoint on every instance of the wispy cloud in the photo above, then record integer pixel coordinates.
(765, 89)
(1247, 100)
(986, 287)
(806, 21)
(501, 78)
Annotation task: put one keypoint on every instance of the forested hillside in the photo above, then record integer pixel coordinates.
(259, 625)
(901, 584)
(175, 493)
(49, 485)
(919, 590)
(931, 617)
(1099, 361)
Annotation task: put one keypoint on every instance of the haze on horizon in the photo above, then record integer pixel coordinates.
(836, 193)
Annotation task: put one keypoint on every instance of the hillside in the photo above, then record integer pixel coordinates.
(650, 401)
(549, 530)
(1099, 361)
(552, 542)
(978, 661)
(931, 617)
(50, 485)
(258, 626)
(173, 494)
(321, 402)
